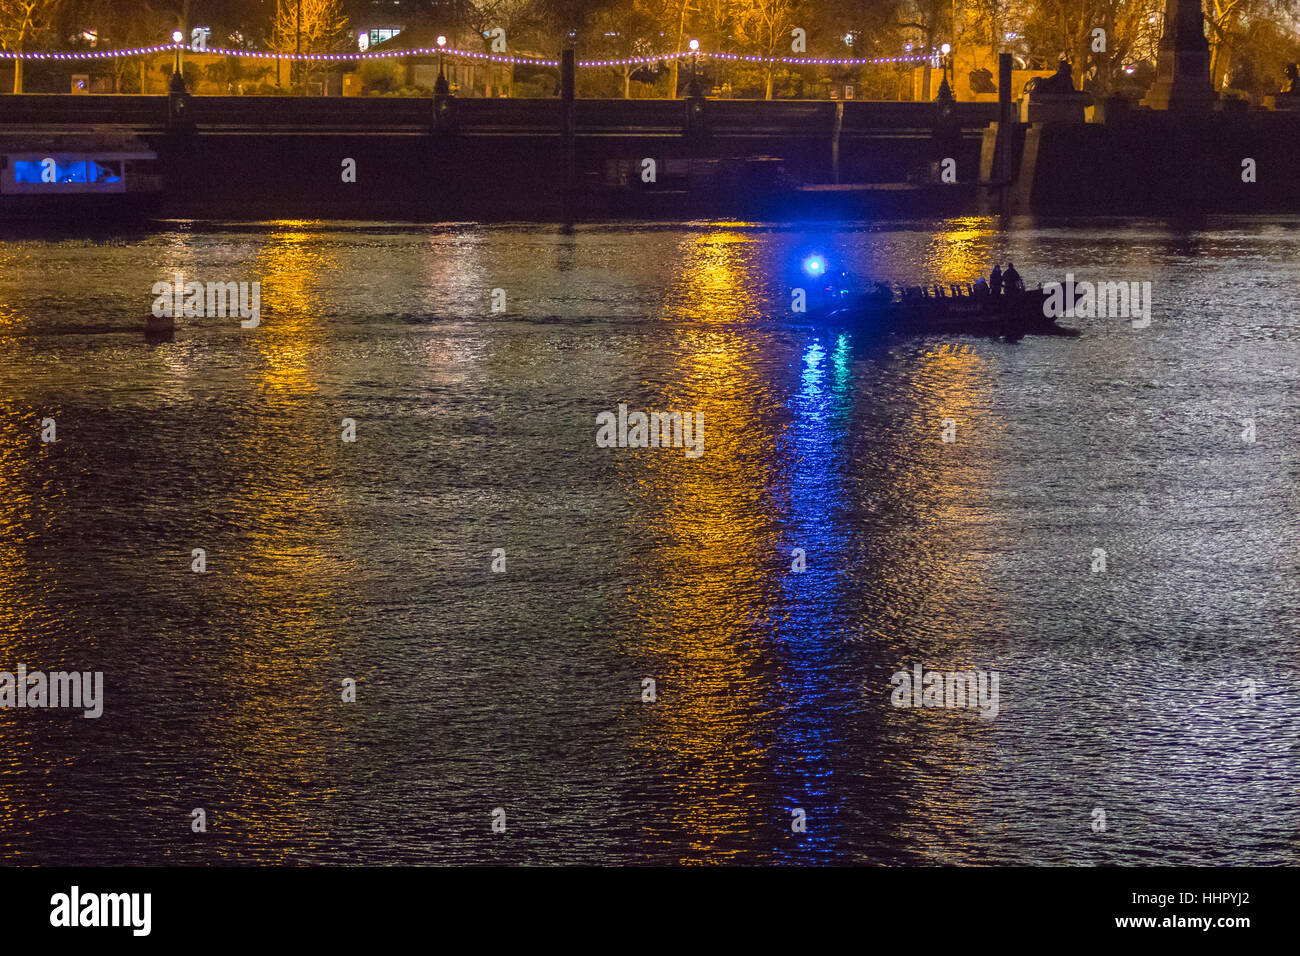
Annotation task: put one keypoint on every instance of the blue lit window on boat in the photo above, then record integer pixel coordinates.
(49, 171)
(109, 172)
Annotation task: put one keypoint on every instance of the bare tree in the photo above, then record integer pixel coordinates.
(484, 16)
(312, 26)
(1067, 27)
(678, 9)
(1233, 24)
(22, 23)
(631, 30)
(765, 26)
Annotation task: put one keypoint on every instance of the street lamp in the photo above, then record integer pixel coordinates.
(694, 88)
(440, 86)
(178, 79)
(945, 91)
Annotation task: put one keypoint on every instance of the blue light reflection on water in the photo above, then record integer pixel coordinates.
(809, 635)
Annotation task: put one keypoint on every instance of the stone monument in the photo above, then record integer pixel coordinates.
(1183, 64)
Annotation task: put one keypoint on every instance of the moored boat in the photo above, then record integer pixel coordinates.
(78, 177)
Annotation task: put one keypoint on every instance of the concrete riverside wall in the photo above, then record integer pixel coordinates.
(1154, 161)
(281, 157)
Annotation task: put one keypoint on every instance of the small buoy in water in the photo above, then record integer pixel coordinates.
(159, 326)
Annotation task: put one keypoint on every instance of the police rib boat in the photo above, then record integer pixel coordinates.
(971, 309)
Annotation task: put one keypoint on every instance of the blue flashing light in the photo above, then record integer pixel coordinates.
(814, 266)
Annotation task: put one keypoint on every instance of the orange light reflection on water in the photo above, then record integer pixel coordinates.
(709, 564)
(943, 589)
(962, 250)
(278, 735)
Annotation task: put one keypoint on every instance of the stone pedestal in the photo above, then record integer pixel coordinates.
(1112, 109)
(1183, 64)
(1065, 109)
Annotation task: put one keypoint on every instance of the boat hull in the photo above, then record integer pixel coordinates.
(1011, 316)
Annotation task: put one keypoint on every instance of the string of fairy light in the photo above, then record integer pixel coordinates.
(462, 54)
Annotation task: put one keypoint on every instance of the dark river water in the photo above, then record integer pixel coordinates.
(1160, 691)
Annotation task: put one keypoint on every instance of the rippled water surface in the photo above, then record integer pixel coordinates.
(1161, 690)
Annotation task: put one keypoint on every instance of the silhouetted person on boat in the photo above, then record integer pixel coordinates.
(981, 288)
(1011, 279)
(838, 284)
(995, 280)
